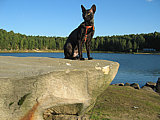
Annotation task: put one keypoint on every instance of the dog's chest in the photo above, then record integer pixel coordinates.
(87, 31)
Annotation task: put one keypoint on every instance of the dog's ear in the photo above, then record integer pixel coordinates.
(93, 8)
(83, 8)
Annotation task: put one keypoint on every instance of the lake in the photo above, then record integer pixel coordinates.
(134, 68)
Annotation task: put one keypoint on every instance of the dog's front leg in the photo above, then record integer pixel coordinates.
(88, 50)
(80, 50)
(88, 44)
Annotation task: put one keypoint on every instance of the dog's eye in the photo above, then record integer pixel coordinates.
(89, 13)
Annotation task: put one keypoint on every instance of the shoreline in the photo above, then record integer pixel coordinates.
(32, 51)
(61, 51)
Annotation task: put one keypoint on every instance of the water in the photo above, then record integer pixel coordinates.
(133, 68)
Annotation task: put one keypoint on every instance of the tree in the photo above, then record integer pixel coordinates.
(52, 44)
(96, 43)
(140, 40)
(129, 46)
(16, 41)
(92, 44)
(21, 44)
(25, 43)
(122, 45)
(135, 47)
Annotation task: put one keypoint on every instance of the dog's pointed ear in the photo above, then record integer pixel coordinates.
(93, 8)
(83, 8)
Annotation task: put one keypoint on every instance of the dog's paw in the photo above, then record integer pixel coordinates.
(82, 59)
(74, 58)
(90, 58)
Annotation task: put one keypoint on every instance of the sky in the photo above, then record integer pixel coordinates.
(61, 17)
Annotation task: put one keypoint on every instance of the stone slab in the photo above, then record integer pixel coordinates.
(32, 85)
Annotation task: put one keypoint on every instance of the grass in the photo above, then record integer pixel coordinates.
(126, 103)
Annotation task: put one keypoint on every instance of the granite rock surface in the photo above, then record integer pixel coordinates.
(32, 85)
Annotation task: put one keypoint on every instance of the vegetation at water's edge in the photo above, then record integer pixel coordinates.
(10, 41)
(126, 103)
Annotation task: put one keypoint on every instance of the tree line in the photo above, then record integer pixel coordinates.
(118, 43)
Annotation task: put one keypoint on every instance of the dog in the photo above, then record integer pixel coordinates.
(79, 36)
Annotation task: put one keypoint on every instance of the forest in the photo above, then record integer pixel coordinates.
(115, 43)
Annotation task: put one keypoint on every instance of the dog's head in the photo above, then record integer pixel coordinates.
(88, 15)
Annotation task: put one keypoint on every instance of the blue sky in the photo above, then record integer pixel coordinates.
(60, 17)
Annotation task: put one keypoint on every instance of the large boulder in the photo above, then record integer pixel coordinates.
(147, 88)
(127, 84)
(151, 84)
(31, 87)
(135, 85)
(158, 86)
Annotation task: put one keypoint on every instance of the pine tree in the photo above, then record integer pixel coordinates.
(129, 46)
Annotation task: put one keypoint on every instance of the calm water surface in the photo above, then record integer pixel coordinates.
(133, 68)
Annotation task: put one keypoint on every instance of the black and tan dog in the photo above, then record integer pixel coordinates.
(83, 34)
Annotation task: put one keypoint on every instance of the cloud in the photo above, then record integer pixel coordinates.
(149, 0)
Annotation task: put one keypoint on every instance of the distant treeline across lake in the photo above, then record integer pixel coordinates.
(118, 43)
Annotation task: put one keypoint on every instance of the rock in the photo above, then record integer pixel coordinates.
(45, 88)
(118, 84)
(68, 117)
(135, 85)
(147, 88)
(135, 107)
(115, 84)
(158, 86)
(70, 110)
(121, 84)
(151, 84)
(127, 84)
